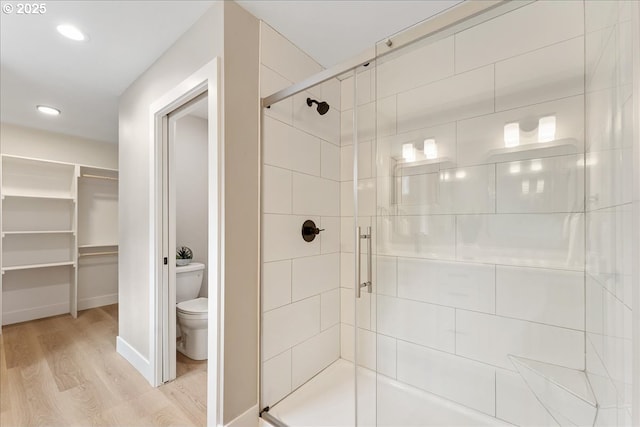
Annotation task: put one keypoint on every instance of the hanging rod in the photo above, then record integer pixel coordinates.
(108, 178)
(97, 253)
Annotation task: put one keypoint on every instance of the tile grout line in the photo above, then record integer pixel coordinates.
(455, 331)
(494, 87)
(495, 393)
(486, 313)
(495, 289)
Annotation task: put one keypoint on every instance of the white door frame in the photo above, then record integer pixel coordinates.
(206, 79)
(169, 234)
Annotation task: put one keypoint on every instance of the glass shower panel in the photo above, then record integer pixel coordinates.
(362, 154)
(478, 315)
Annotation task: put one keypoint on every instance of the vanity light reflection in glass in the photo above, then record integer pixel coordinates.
(547, 129)
(430, 149)
(536, 165)
(511, 135)
(408, 152)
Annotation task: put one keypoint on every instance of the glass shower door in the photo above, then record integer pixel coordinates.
(477, 312)
(361, 336)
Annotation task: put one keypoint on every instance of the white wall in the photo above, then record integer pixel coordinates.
(39, 144)
(610, 280)
(192, 194)
(300, 181)
(242, 209)
(225, 27)
(136, 154)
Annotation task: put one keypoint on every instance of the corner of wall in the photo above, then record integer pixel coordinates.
(242, 183)
(249, 418)
(138, 361)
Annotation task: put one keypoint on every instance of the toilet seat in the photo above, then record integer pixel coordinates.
(187, 316)
(194, 306)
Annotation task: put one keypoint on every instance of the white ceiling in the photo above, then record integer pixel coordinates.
(332, 31)
(85, 79)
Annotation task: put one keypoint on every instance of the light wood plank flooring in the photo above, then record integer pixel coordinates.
(62, 371)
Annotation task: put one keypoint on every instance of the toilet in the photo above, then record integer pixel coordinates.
(191, 311)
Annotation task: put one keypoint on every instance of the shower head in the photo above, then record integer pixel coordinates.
(323, 107)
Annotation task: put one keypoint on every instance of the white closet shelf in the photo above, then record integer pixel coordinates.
(93, 176)
(99, 245)
(32, 266)
(17, 233)
(37, 196)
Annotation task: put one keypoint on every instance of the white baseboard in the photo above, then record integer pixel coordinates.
(247, 419)
(132, 356)
(9, 317)
(99, 301)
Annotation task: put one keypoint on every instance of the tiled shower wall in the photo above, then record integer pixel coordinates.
(478, 257)
(300, 181)
(609, 112)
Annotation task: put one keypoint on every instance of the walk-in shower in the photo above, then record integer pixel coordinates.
(475, 183)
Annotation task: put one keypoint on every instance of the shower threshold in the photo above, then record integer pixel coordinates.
(327, 400)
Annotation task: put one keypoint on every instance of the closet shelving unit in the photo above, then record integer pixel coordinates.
(45, 211)
(97, 235)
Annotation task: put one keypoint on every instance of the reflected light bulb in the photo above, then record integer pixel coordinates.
(461, 174)
(514, 168)
(430, 149)
(540, 186)
(511, 135)
(405, 185)
(547, 129)
(408, 152)
(536, 165)
(525, 186)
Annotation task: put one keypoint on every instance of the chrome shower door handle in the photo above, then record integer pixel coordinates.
(358, 262)
(367, 284)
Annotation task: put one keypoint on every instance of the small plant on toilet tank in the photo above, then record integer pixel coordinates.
(184, 255)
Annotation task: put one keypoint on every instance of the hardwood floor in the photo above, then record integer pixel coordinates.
(62, 371)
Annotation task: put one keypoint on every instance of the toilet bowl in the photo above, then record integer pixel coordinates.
(191, 311)
(193, 319)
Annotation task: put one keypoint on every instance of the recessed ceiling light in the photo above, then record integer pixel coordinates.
(71, 32)
(48, 110)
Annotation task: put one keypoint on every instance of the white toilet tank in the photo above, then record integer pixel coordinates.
(188, 281)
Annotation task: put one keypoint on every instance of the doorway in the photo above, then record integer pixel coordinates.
(177, 100)
(185, 232)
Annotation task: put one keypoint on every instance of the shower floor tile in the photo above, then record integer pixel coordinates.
(327, 400)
